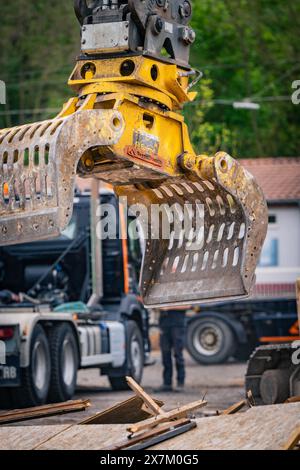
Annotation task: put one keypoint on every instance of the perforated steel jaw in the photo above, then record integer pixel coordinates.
(38, 164)
(214, 255)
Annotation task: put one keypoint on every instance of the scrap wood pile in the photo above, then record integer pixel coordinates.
(293, 443)
(161, 426)
(44, 411)
(151, 425)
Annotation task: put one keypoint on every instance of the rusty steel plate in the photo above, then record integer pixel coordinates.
(217, 261)
(38, 165)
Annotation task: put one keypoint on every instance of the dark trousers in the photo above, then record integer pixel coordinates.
(172, 340)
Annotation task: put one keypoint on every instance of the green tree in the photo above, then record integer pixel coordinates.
(246, 49)
(250, 49)
(39, 41)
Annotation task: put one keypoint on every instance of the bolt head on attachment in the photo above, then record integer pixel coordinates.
(188, 36)
(158, 25)
(186, 9)
(87, 162)
(187, 162)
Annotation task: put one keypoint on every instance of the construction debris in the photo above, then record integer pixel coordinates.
(259, 428)
(159, 415)
(149, 403)
(249, 401)
(128, 411)
(160, 427)
(161, 434)
(167, 424)
(293, 400)
(168, 416)
(234, 408)
(44, 411)
(293, 441)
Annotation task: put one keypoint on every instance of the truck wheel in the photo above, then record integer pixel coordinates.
(65, 362)
(35, 379)
(135, 357)
(210, 341)
(275, 386)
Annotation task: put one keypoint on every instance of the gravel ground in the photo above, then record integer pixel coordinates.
(222, 385)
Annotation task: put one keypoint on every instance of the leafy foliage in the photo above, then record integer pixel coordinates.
(250, 49)
(246, 49)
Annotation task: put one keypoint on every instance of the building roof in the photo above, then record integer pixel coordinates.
(278, 177)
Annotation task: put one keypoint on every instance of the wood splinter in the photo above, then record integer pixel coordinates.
(293, 440)
(160, 416)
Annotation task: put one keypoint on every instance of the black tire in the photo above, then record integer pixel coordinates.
(134, 357)
(35, 379)
(275, 386)
(210, 341)
(65, 362)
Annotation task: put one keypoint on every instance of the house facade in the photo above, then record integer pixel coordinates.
(280, 261)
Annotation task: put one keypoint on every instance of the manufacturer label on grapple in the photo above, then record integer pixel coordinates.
(145, 147)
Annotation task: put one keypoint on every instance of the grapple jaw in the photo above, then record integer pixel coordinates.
(204, 229)
(218, 224)
(38, 165)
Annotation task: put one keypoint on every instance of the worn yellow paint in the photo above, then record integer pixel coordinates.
(169, 79)
(168, 128)
(149, 100)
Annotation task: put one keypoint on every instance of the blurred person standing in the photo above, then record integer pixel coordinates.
(172, 325)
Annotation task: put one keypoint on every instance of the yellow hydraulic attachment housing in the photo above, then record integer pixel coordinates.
(125, 128)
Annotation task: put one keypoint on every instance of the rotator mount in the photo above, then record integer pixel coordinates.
(156, 28)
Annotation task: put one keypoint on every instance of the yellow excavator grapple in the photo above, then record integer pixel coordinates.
(124, 127)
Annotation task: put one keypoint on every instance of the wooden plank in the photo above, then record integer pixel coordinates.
(168, 416)
(148, 435)
(15, 416)
(147, 399)
(250, 399)
(93, 437)
(171, 434)
(28, 437)
(293, 400)
(260, 428)
(234, 408)
(129, 411)
(293, 440)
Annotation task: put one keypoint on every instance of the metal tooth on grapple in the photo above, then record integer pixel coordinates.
(38, 164)
(218, 259)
